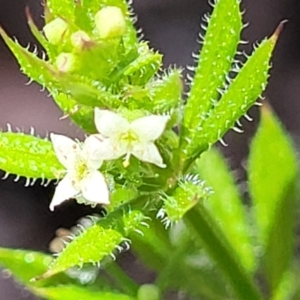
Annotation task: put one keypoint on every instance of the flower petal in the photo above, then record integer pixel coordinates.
(110, 124)
(149, 128)
(90, 152)
(65, 149)
(148, 152)
(109, 149)
(64, 191)
(94, 188)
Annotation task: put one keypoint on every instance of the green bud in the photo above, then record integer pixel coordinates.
(55, 31)
(148, 292)
(110, 22)
(66, 62)
(81, 41)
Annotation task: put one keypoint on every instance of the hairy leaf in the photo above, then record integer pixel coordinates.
(219, 47)
(29, 156)
(98, 241)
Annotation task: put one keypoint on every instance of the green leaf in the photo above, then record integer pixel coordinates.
(208, 233)
(219, 47)
(144, 67)
(242, 93)
(184, 197)
(24, 264)
(86, 94)
(272, 178)
(40, 37)
(225, 205)
(62, 8)
(98, 241)
(166, 91)
(72, 292)
(35, 68)
(82, 115)
(95, 5)
(29, 156)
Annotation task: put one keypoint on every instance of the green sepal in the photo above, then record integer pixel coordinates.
(26, 155)
(98, 241)
(273, 174)
(226, 206)
(217, 53)
(242, 93)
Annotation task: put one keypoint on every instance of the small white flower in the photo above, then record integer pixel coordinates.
(82, 179)
(136, 138)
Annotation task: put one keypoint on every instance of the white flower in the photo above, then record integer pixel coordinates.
(119, 137)
(82, 179)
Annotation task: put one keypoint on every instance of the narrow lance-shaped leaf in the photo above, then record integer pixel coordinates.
(98, 241)
(238, 98)
(29, 156)
(225, 205)
(24, 264)
(35, 68)
(40, 37)
(72, 292)
(272, 178)
(219, 47)
(208, 233)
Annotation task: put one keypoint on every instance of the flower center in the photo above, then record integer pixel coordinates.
(80, 169)
(129, 137)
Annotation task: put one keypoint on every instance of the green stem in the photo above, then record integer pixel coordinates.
(208, 235)
(123, 281)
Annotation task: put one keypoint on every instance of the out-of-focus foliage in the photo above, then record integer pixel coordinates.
(184, 218)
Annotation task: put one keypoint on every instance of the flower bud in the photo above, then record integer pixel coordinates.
(110, 22)
(81, 41)
(55, 31)
(66, 62)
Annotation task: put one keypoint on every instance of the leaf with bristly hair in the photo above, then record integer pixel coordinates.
(29, 156)
(216, 57)
(98, 241)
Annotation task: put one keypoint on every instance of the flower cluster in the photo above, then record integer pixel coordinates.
(117, 137)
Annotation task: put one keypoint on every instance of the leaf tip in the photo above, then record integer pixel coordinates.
(277, 31)
(41, 277)
(28, 14)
